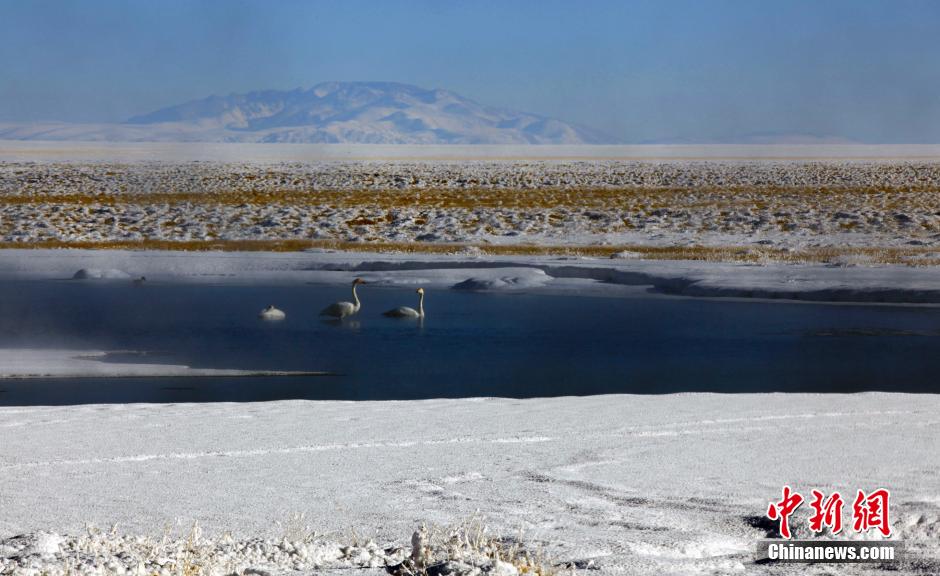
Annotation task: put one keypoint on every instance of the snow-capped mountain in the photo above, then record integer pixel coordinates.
(332, 112)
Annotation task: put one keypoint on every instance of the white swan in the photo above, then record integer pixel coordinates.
(272, 313)
(406, 312)
(344, 309)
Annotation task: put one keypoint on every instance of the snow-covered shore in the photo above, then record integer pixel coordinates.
(567, 275)
(640, 484)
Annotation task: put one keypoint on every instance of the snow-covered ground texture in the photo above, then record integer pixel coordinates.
(837, 211)
(673, 484)
(469, 271)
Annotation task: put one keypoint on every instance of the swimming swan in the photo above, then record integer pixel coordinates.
(344, 309)
(406, 312)
(272, 313)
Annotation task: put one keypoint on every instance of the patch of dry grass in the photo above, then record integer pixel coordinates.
(465, 549)
(637, 198)
(458, 549)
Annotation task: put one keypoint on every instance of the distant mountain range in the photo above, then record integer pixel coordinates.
(332, 112)
(760, 139)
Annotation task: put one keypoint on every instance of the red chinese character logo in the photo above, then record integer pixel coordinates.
(826, 512)
(871, 512)
(783, 509)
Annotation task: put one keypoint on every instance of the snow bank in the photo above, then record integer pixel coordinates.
(499, 280)
(566, 275)
(629, 484)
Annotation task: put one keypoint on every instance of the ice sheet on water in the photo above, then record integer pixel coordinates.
(65, 363)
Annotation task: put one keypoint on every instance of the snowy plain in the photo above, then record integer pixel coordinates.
(638, 484)
(799, 205)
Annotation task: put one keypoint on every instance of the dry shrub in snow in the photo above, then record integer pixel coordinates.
(464, 550)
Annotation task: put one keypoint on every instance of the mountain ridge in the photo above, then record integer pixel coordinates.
(330, 112)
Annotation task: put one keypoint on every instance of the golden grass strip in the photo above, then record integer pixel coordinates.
(913, 256)
(495, 198)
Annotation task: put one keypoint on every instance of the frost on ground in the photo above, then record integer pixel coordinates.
(672, 484)
(822, 210)
(464, 550)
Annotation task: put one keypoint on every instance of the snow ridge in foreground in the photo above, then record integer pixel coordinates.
(644, 485)
(464, 550)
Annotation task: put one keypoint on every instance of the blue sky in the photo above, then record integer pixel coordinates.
(644, 70)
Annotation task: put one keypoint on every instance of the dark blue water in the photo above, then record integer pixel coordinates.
(471, 344)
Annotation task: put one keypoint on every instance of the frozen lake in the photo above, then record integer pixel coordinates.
(471, 344)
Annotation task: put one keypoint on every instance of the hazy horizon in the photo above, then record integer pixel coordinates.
(677, 71)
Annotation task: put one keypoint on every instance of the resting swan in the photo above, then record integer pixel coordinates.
(272, 313)
(344, 309)
(406, 312)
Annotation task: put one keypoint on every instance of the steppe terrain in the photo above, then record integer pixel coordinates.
(831, 211)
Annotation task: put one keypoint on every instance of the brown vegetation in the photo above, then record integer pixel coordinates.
(916, 256)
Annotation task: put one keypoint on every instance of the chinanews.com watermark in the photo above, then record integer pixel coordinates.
(828, 551)
(869, 514)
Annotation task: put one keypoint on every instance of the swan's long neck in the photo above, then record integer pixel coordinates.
(421, 304)
(355, 297)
